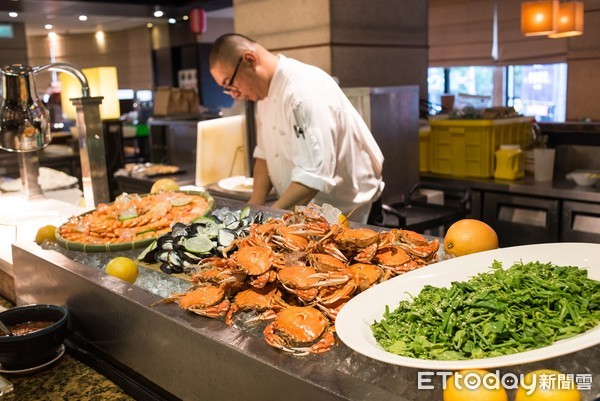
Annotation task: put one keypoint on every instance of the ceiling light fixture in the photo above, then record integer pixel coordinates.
(172, 20)
(539, 17)
(570, 20)
(48, 26)
(158, 12)
(13, 14)
(83, 18)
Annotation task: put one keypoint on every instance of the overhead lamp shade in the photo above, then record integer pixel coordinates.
(570, 20)
(539, 17)
(198, 20)
(102, 82)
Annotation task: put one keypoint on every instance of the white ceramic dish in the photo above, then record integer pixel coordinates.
(237, 183)
(584, 178)
(354, 319)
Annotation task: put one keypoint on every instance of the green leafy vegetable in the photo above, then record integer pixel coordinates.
(502, 312)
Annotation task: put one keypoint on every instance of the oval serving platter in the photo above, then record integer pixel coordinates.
(123, 246)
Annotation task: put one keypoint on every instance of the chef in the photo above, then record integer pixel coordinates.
(312, 145)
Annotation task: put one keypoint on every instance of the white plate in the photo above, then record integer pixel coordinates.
(237, 183)
(354, 319)
(59, 353)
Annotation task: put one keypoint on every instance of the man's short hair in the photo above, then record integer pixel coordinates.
(228, 48)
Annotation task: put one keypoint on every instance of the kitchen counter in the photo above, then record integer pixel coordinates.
(559, 188)
(526, 211)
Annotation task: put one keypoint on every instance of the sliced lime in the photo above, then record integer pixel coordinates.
(198, 244)
(209, 228)
(146, 250)
(245, 212)
(204, 220)
(181, 201)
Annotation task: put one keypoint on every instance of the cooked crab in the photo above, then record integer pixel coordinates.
(256, 262)
(205, 301)
(300, 330)
(267, 300)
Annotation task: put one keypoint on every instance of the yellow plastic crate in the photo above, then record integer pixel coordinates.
(424, 153)
(465, 148)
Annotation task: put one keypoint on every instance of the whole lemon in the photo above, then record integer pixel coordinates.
(164, 184)
(46, 233)
(122, 267)
(469, 236)
(474, 385)
(547, 385)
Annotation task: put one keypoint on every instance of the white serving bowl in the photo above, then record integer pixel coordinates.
(584, 178)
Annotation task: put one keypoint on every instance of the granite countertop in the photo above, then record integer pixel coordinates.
(66, 379)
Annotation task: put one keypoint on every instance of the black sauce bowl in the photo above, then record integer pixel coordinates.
(36, 348)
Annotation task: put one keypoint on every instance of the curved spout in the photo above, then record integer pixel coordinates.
(70, 69)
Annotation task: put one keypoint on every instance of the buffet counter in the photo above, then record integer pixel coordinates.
(184, 356)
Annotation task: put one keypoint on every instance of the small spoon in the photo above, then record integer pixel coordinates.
(6, 329)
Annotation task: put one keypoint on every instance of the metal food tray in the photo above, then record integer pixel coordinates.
(193, 357)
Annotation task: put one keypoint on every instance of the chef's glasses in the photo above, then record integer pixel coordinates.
(229, 89)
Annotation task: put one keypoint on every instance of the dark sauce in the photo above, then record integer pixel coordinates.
(27, 327)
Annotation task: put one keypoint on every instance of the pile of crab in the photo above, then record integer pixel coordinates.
(297, 272)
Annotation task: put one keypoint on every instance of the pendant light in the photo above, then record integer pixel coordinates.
(570, 20)
(539, 17)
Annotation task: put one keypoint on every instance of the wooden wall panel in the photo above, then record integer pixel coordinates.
(362, 43)
(127, 50)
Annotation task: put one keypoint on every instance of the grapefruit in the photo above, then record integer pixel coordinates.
(164, 184)
(469, 236)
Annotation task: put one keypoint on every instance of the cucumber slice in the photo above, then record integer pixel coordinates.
(128, 214)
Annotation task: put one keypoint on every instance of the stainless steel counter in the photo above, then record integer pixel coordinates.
(193, 357)
(559, 188)
(526, 211)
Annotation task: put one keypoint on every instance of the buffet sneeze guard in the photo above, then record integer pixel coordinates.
(25, 128)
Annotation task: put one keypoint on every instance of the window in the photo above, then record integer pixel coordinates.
(477, 81)
(538, 90)
(436, 86)
(533, 90)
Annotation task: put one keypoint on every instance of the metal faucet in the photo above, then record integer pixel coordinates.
(25, 129)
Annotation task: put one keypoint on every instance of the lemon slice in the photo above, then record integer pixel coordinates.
(198, 244)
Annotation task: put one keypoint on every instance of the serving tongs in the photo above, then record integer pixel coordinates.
(6, 329)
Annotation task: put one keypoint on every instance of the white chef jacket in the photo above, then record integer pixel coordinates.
(309, 132)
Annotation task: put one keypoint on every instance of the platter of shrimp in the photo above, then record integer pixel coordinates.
(132, 220)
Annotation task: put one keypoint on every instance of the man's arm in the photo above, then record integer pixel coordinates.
(262, 183)
(296, 194)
